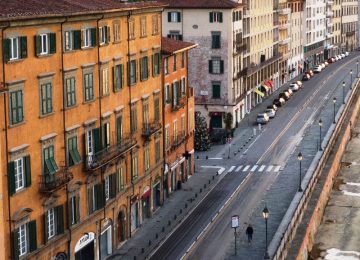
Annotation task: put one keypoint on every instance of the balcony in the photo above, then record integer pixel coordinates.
(240, 74)
(284, 11)
(240, 47)
(284, 41)
(256, 67)
(150, 128)
(284, 26)
(179, 104)
(110, 153)
(329, 14)
(247, 13)
(180, 139)
(351, 33)
(52, 182)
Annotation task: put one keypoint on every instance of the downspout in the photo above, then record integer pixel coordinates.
(64, 130)
(128, 79)
(6, 138)
(187, 112)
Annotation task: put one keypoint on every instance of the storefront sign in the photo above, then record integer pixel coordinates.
(84, 240)
(204, 92)
(235, 221)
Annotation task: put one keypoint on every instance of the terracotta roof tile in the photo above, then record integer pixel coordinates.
(17, 9)
(169, 46)
(202, 4)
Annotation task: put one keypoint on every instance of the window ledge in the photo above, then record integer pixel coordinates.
(14, 61)
(22, 190)
(105, 95)
(88, 102)
(46, 55)
(17, 124)
(143, 36)
(116, 42)
(47, 115)
(88, 48)
(69, 108)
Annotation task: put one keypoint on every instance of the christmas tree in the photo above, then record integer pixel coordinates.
(202, 140)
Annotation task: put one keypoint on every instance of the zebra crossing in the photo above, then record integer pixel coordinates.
(254, 168)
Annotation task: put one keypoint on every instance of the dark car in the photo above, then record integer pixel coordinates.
(310, 72)
(305, 77)
(285, 95)
(279, 102)
(273, 106)
(218, 135)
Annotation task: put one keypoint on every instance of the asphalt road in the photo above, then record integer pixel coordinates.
(252, 171)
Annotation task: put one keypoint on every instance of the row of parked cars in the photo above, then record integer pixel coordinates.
(270, 111)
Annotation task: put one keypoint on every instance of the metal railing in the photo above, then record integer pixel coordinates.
(52, 181)
(150, 128)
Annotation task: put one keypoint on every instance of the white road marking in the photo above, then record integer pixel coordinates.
(246, 168)
(254, 167)
(277, 168)
(231, 168)
(238, 168)
(216, 158)
(269, 168)
(262, 168)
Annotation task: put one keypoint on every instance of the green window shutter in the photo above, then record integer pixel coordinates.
(6, 49)
(96, 135)
(90, 200)
(93, 36)
(153, 64)
(211, 17)
(15, 244)
(27, 171)
(37, 39)
(23, 47)
(210, 66)
(11, 178)
(169, 16)
(178, 16)
(112, 185)
(118, 129)
(77, 208)
(77, 40)
(107, 34)
(220, 17)
(46, 233)
(99, 196)
(59, 213)
(221, 66)
(32, 235)
(52, 37)
(122, 75)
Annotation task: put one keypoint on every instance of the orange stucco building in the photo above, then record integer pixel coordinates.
(82, 125)
(178, 114)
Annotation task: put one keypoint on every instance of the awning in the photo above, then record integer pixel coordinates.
(259, 93)
(146, 194)
(264, 88)
(269, 83)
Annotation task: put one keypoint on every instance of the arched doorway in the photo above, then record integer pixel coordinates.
(121, 234)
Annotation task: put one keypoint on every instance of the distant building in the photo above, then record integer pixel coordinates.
(336, 40)
(179, 109)
(349, 24)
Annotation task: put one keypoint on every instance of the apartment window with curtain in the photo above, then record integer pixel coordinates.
(105, 81)
(133, 119)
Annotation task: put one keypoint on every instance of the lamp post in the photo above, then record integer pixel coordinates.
(357, 68)
(229, 141)
(266, 216)
(343, 84)
(334, 101)
(300, 157)
(351, 79)
(320, 125)
(235, 225)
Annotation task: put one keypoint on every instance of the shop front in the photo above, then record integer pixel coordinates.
(121, 226)
(156, 193)
(106, 239)
(145, 203)
(134, 215)
(85, 247)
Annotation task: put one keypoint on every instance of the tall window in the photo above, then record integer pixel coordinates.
(51, 223)
(15, 48)
(54, 222)
(104, 35)
(155, 24)
(157, 150)
(175, 131)
(118, 75)
(23, 241)
(16, 107)
(166, 65)
(167, 137)
(70, 91)
(174, 17)
(215, 40)
(121, 177)
(69, 40)
(73, 153)
(156, 64)
(216, 66)
(107, 187)
(146, 114)
(88, 37)
(216, 17)
(74, 207)
(116, 30)
(216, 89)
(45, 44)
(167, 94)
(106, 134)
(183, 86)
(182, 125)
(146, 158)
(132, 72)
(134, 166)
(46, 98)
(95, 198)
(143, 26)
(144, 68)
(119, 129)
(132, 29)
(183, 60)
(133, 120)
(19, 174)
(88, 87)
(174, 62)
(49, 163)
(156, 108)
(105, 81)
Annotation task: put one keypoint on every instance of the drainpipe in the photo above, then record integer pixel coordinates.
(6, 139)
(128, 76)
(64, 129)
(187, 110)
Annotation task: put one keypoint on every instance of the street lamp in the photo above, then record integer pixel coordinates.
(343, 84)
(320, 125)
(334, 101)
(350, 79)
(357, 68)
(300, 157)
(266, 216)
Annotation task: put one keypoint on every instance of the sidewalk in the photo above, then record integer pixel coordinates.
(154, 230)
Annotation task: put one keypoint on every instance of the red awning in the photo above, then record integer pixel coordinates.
(269, 83)
(146, 194)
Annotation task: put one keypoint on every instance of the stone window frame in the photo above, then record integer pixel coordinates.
(46, 142)
(71, 132)
(104, 65)
(13, 87)
(143, 25)
(46, 78)
(155, 24)
(87, 69)
(70, 73)
(116, 33)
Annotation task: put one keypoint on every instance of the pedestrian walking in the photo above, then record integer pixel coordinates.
(249, 233)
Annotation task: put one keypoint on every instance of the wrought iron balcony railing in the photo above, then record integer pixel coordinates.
(150, 128)
(52, 181)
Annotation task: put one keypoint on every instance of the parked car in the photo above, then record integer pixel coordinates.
(310, 72)
(290, 92)
(331, 60)
(294, 87)
(342, 55)
(326, 63)
(299, 83)
(273, 106)
(285, 95)
(317, 69)
(339, 57)
(218, 135)
(279, 102)
(262, 118)
(270, 112)
(305, 77)
(347, 53)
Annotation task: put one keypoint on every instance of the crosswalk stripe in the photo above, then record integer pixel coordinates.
(269, 168)
(262, 168)
(231, 168)
(254, 167)
(246, 168)
(238, 168)
(277, 168)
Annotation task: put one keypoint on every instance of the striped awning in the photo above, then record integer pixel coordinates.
(257, 91)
